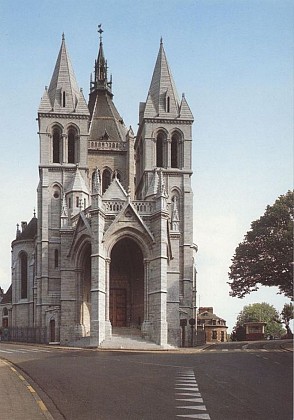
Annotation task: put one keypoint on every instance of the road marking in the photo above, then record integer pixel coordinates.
(198, 400)
(188, 394)
(186, 381)
(193, 407)
(203, 416)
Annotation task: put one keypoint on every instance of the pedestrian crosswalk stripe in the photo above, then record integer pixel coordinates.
(198, 400)
(202, 416)
(193, 407)
(187, 392)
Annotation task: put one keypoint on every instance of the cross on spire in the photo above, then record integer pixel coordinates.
(100, 31)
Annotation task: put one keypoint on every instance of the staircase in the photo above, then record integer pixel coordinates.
(129, 339)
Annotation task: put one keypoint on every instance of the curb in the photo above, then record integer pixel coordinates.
(33, 392)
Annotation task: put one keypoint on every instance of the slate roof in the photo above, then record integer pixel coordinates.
(163, 88)
(106, 122)
(63, 81)
(30, 231)
(7, 298)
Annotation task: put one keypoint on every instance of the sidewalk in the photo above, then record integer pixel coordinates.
(19, 401)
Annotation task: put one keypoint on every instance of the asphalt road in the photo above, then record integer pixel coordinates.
(222, 383)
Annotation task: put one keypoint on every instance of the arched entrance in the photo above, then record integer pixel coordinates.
(85, 289)
(126, 298)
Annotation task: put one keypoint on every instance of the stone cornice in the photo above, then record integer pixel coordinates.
(167, 121)
(59, 115)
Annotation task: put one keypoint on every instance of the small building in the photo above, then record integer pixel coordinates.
(5, 308)
(214, 327)
(254, 331)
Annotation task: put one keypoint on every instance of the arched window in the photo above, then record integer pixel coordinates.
(106, 179)
(159, 150)
(56, 258)
(23, 275)
(168, 104)
(71, 146)
(55, 206)
(63, 99)
(175, 151)
(56, 145)
(93, 180)
(5, 318)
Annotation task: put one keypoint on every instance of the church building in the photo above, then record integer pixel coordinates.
(111, 246)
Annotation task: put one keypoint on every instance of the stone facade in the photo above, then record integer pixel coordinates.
(112, 243)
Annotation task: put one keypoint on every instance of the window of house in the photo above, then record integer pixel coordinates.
(23, 276)
(77, 202)
(214, 335)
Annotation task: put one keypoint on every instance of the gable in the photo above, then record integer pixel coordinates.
(129, 219)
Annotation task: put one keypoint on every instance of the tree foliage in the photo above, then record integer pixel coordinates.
(286, 315)
(265, 257)
(263, 312)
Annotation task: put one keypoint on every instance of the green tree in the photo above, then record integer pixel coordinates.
(263, 312)
(287, 315)
(265, 255)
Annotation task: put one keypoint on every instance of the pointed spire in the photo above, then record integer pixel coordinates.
(100, 71)
(161, 191)
(162, 99)
(175, 214)
(17, 231)
(161, 196)
(64, 213)
(63, 95)
(96, 187)
(185, 111)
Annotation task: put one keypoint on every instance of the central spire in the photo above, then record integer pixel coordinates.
(100, 71)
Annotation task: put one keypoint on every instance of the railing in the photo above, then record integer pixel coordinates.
(25, 334)
(107, 145)
(115, 206)
(144, 207)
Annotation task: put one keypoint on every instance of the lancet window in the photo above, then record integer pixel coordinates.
(160, 149)
(23, 275)
(57, 145)
(72, 145)
(175, 146)
(106, 179)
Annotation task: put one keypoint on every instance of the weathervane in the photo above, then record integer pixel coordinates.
(100, 31)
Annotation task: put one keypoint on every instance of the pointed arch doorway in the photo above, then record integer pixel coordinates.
(126, 285)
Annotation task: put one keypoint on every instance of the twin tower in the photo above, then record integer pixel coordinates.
(112, 244)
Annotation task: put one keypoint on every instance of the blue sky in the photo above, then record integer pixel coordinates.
(231, 58)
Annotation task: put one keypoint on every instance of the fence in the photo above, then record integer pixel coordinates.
(25, 334)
